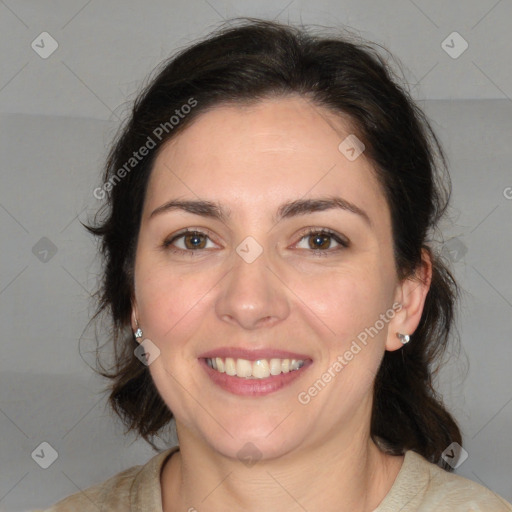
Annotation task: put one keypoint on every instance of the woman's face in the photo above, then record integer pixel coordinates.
(252, 285)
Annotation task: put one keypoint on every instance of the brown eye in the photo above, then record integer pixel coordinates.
(194, 241)
(187, 242)
(320, 241)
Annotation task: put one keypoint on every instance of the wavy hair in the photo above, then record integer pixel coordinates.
(248, 62)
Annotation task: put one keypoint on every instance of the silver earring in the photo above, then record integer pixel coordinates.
(404, 338)
(138, 333)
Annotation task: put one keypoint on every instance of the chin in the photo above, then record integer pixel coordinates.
(254, 440)
(253, 449)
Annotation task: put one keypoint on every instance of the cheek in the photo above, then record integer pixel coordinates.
(345, 302)
(350, 306)
(168, 302)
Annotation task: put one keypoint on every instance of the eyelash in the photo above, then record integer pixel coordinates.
(344, 243)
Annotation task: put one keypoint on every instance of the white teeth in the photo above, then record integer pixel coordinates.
(260, 369)
(275, 366)
(230, 366)
(243, 368)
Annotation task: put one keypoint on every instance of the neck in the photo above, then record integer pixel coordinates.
(322, 477)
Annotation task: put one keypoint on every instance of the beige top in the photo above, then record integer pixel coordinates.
(420, 486)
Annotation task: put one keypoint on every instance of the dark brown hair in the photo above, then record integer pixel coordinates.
(251, 61)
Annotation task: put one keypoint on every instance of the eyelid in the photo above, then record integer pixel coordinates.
(201, 231)
(342, 241)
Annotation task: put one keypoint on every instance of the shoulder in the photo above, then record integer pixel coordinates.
(422, 486)
(121, 491)
(456, 493)
(114, 492)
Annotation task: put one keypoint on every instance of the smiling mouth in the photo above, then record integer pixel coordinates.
(259, 369)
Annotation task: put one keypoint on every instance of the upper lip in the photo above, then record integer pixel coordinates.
(252, 354)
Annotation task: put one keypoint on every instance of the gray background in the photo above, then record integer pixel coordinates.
(58, 116)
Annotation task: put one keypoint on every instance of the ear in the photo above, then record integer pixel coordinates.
(411, 294)
(135, 316)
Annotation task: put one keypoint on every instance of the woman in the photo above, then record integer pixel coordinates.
(272, 288)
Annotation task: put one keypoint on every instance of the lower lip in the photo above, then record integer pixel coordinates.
(253, 387)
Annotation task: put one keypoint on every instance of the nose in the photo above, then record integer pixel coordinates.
(253, 294)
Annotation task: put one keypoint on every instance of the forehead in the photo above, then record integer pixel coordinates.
(254, 156)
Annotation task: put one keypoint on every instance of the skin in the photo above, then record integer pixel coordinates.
(251, 159)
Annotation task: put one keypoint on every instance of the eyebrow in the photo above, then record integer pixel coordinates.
(285, 211)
